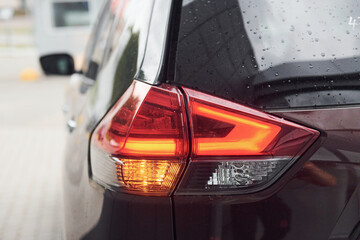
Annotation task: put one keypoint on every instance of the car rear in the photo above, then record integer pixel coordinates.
(294, 60)
(247, 128)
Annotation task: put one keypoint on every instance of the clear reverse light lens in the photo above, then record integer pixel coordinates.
(244, 173)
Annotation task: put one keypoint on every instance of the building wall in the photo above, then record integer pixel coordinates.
(10, 3)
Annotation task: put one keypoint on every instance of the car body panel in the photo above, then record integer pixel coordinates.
(308, 206)
(263, 55)
(267, 55)
(317, 198)
(92, 211)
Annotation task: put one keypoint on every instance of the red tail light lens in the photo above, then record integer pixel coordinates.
(141, 144)
(236, 147)
(244, 135)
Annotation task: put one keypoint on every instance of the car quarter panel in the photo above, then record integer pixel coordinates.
(91, 210)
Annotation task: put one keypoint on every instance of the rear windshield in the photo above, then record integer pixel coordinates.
(71, 14)
(271, 53)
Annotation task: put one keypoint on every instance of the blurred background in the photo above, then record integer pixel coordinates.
(32, 127)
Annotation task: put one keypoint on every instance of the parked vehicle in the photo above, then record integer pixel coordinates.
(216, 120)
(62, 29)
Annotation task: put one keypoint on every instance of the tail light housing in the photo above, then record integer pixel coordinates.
(236, 149)
(142, 144)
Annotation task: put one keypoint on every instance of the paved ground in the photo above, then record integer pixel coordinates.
(31, 150)
(31, 140)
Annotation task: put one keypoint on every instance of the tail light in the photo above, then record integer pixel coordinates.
(142, 144)
(236, 148)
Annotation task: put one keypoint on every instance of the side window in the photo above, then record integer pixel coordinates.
(97, 46)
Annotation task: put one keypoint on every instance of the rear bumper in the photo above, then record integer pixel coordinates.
(126, 216)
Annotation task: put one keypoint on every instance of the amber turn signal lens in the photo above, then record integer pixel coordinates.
(148, 176)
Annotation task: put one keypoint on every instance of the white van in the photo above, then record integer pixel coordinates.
(62, 28)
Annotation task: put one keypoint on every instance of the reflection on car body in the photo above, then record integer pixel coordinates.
(216, 120)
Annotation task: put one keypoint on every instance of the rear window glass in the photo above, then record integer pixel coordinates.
(271, 54)
(71, 14)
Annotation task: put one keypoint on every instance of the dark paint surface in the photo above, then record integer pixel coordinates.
(267, 55)
(133, 217)
(91, 211)
(270, 54)
(310, 206)
(320, 201)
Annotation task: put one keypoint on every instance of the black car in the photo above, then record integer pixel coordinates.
(216, 119)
